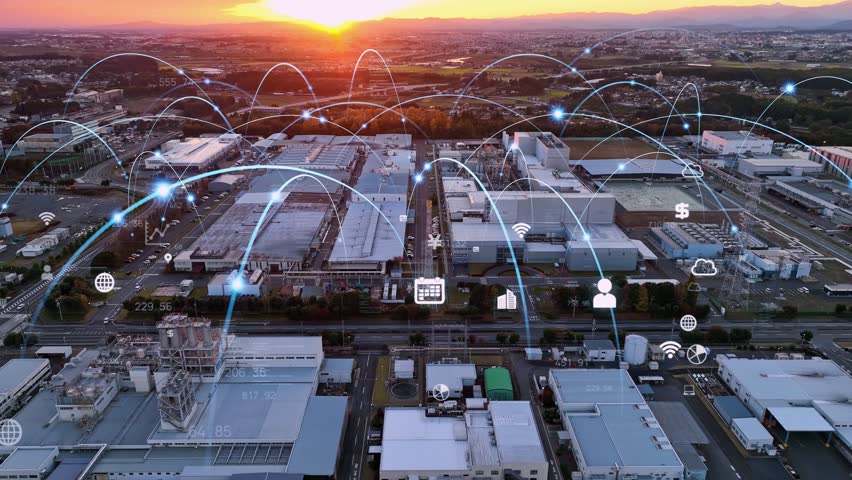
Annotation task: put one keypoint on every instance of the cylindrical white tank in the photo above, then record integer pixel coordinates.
(635, 349)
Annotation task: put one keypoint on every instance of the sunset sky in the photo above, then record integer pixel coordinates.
(329, 13)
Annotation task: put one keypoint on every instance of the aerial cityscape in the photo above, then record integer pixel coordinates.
(425, 240)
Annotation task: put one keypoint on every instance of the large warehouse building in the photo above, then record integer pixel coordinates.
(841, 157)
(193, 154)
(554, 234)
(736, 143)
(257, 413)
(290, 232)
(613, 432)
(480, 444)
(798, 395)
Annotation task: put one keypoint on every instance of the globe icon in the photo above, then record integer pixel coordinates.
(688, 323)
(104, 282)
(10, 432)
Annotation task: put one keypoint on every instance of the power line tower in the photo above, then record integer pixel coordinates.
(735, 285)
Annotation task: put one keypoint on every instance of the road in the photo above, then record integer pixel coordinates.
(355, 443)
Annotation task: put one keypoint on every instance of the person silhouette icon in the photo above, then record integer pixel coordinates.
(604, 299)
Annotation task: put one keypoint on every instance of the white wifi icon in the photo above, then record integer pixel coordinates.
(521, 229)
(670, 348)
(46, 217)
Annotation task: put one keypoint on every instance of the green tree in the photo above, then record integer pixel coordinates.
(716, 334)
(502, 337)
(549, 336)
(417, 339)
(740, 335)
(514, 338)
(806, 336)
(643, 304)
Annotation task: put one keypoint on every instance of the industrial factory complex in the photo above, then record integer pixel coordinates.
(189, 403)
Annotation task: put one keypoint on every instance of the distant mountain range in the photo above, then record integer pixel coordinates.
(834, 17)
(837, 16)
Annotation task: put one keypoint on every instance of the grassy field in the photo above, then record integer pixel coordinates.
(27, 227)
(382, 396)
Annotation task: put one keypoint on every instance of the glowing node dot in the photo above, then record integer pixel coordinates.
(206, 81)
(573, 69)
(427, 167)
(190, 198)
(500, 175)
(216, 108)
(418, 178)
(403, 119)
(686, 126)
(632, 82)
(310, 88)
(621, 166)
(698, 114)
(587, 51)
(586, 237)
(5, 206)
(180, 72)
(322, 119)
(119, 163)
(276, 195)
(789, 88)
(363, 126)
(162, 219)
(735, 229)
(558, 113)
(163, 190)
(514, 146)
(117, 218)
(237, 284)
(306, 114)
(158, 154)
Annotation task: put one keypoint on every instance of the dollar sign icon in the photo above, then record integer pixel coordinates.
(682, 211)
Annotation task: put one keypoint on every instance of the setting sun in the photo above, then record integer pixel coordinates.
(329, 15)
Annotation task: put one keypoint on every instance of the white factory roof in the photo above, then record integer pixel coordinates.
(735, 135)
(16, 371)
(409, 433)
(779, 162)
(451, 375)
(800, 419)
(516, 433)
(790, 380)
(504, 434)
(260, 345)
(193, 150)
(616, 386)
(752, 429)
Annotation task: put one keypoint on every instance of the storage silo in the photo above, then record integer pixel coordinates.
(635, 349)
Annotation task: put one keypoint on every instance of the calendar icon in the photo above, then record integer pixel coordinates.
(429, 291)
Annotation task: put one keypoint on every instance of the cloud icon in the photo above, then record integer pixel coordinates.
(693, 287)
(704, 268)
(692, 170)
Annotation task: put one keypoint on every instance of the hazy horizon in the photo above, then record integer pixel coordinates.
(328, 14)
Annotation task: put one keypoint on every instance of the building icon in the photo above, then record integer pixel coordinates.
(507, 301)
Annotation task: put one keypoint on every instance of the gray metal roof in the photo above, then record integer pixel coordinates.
(598, 344)
(275, 415)
(664, 167)
(366, 235)
(315, 451)
(17, 370)
(680, 426)
(28, 458)
(625, 435)
(616, 386)
(731, 406)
